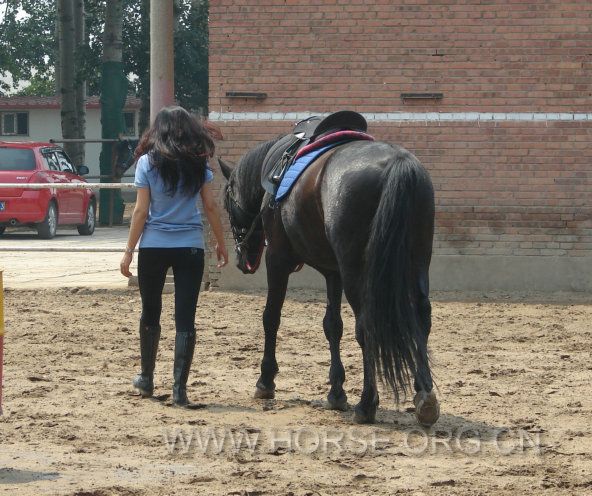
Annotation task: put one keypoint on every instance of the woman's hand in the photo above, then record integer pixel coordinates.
(211, 210)
(222, 255)
(136, 228)
(125, 264)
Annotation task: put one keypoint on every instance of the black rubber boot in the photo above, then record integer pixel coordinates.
(149, 338)
(184, 347)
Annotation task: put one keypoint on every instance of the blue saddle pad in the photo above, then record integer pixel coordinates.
(298, 167)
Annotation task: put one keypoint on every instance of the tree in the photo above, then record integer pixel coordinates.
(191, 50)
(67, 66)
(39, 86)
(69, 73)
(136, 55)
(113, 94)
(80, 43)
(28, 47)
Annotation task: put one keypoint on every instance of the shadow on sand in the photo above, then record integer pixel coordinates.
(16, 476)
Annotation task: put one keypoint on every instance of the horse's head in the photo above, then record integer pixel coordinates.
(245, 222)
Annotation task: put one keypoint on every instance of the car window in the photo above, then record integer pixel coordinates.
(51, 162)
(16, 159)
(65, 164)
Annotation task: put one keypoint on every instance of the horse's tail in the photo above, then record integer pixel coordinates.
(397, 252)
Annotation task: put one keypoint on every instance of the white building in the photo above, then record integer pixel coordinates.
(34, 118)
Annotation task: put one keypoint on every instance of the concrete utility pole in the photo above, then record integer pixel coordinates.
(162, 82)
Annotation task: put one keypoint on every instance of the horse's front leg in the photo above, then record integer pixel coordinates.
(333, 327)
(278, 273)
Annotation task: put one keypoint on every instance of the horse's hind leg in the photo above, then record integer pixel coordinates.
(333, 327)
(365, 410)
(278, 273)
(427, 409)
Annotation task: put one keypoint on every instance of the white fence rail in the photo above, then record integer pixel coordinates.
(68, 185)
(78, 249)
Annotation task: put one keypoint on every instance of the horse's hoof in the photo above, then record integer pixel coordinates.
(264, 394)
(427, 408)
(363, 417)
(339, 403)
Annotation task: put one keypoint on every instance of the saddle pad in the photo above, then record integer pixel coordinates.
(298, 167)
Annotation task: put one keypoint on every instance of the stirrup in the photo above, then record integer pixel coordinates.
(277, 178)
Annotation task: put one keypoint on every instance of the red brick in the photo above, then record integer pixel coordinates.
(502, 188)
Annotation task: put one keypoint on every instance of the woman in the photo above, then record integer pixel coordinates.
(171, 172)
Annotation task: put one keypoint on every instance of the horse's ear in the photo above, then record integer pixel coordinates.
(226, 169)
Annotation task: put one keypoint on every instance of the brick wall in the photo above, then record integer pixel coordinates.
(531, 55)
(503, 188)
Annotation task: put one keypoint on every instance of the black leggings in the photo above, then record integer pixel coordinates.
(188, 267)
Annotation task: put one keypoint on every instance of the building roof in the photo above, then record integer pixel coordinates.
(26, 144)
(53, 102)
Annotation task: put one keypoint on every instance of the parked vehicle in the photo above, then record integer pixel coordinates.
(43, 209)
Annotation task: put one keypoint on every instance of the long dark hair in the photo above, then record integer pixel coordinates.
(179, 147)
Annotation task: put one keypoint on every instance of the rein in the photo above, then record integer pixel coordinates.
(241, 235)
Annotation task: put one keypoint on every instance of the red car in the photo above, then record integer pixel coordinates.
(43, 209)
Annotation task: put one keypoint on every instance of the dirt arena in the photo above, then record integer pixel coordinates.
(513, 379)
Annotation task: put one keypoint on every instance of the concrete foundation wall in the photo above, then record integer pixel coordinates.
(460, 273)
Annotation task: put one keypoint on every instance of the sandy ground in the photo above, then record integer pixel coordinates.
(35, 269)
(72, 425)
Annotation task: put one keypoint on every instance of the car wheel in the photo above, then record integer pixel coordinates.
(47, 229)
(2, 229)
(88, 227)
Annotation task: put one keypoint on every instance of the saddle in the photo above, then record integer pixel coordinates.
(305, 134)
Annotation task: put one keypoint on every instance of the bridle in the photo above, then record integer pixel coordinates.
(241, 235)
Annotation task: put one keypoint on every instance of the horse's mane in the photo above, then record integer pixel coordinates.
(248, 173)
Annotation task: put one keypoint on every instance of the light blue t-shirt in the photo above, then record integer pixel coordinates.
(173, 221)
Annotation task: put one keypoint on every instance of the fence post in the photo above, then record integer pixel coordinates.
(1, 336)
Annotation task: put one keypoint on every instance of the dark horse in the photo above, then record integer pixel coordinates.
(363, 216)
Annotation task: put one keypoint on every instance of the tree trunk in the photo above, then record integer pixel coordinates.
(113, 95)
(68, 70)
(79, 82)
(144, 117)
(58, 66)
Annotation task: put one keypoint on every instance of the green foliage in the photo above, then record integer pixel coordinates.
(191, 51)
(136, 53)
(39, 86)
(28, 47)
(27, 40)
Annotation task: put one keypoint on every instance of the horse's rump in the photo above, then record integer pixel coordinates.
(367, 211)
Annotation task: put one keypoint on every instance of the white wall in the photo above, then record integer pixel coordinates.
(45, 124)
